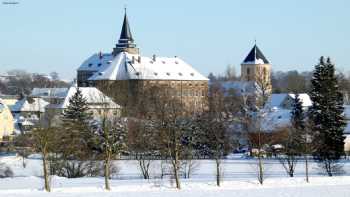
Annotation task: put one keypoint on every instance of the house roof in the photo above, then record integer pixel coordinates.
(241, 87)
(276, 100)
(49, 92)
(31, 104)
(126, 66)
(96, 62)
(255, 56)
(94, 98)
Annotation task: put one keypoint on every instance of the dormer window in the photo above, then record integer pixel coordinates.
(90, 64)
(163, 62)
(155, 73)
(176, 62)
(168, 74)
(180, 74)
(192, 74)
(138, 73)
(99, 64)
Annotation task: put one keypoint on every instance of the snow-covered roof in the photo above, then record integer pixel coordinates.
(304, 98)
(96, 62)
(30, 105)
(126, 66)
(277, 100)
(347, 111)
(94, 98)
(255, 56)
(241, 87)
(50, 92)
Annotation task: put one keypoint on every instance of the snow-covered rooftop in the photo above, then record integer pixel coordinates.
(127, 66)
(277, 100)
(96, 62)
(241, 87)
(347, 111)
(30, 105)
(94, 98)
(50, 92)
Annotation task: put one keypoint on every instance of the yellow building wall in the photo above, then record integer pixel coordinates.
(6, 123)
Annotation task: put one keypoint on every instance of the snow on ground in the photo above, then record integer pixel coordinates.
(239, 180)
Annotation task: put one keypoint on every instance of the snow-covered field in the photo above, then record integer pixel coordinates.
(239, 180)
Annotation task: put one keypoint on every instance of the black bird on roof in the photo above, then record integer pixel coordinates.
(255, 54)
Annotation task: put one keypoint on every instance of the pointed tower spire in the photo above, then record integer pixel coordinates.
(126, 32)
(255, 56)
(126, 41)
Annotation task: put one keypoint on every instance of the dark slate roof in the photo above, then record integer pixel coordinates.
(126, 32)
(254, 55)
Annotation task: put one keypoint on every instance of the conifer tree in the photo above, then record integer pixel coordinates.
(327, 116)
(75, 147)
(301, 144)
(77, 110)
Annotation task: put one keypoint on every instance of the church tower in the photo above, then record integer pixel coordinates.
(126, 42)
(257, 68)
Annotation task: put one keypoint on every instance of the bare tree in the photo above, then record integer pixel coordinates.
(110, 139)
(171, 124)
(290, 150)
(213, 125)
(43, 139)
(262, 80)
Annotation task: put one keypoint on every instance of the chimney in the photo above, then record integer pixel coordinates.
(154, 58)
(139, 59)
(133, 60)
(100, 55)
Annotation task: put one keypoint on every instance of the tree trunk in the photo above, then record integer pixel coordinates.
(261, 170)
(217, 172)
(107, 173)
(46, 174)
(176, 173)
(306, 169)
(23, 162)
(144, 167)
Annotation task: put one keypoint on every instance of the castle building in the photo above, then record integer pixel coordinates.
(124, 73)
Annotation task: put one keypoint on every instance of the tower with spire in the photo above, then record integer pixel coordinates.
(256, 68)
(126, 41)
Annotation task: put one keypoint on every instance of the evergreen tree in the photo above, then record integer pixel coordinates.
(77, 110)
(76, 138)
(327, 116)
(297, 114)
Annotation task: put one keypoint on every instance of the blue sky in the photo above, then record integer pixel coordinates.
(44, 36)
